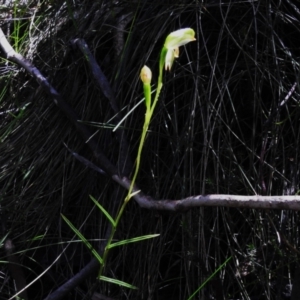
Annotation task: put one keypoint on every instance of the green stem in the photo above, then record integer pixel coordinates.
(149, 112)
(139, 154)
(113, 231)
(148, 116)
(160, 77)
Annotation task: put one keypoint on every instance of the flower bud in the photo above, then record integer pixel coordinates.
(146, 75)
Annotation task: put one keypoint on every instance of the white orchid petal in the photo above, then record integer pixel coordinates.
(169, 59)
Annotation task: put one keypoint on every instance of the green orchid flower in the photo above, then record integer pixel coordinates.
(173, 41)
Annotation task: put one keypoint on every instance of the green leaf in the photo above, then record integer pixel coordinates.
(210, 278)
(133, 240)
(115, 281)
(38, 237)
(105, 212)
(83, 239)
(3, 240)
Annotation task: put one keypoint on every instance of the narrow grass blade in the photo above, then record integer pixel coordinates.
(38, 237)
(209, 278)
(133, 240)
(115, 281)
(105, 212)
(3, 240)
(83, 239)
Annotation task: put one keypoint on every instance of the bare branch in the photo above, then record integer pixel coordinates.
(261, 202)
(238, 201)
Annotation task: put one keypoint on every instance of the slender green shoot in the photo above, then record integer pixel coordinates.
(105, 212)
(84, 240)
(118, 282)
(209, 278)
(133, 240)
